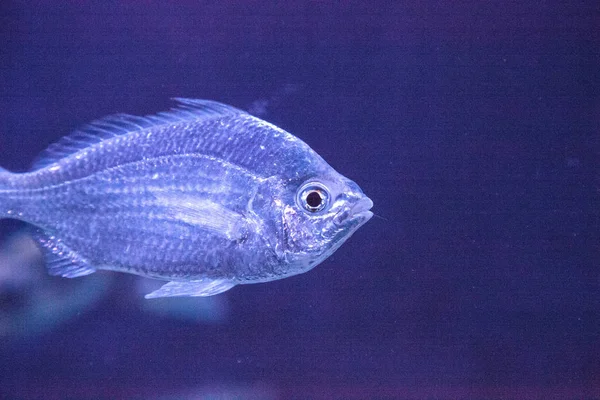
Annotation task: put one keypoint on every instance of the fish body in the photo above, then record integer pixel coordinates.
(204, 196)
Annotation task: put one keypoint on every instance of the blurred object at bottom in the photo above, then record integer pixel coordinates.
(224, 392)
(31, 301)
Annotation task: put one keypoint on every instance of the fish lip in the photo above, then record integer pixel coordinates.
(364, 215)
(360, 211)
(362, 207)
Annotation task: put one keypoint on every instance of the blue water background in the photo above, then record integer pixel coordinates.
(473, 126)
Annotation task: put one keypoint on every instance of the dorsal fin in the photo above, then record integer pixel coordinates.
(121, 124)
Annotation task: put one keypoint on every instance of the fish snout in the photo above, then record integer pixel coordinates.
(361, 209)
(358, 211)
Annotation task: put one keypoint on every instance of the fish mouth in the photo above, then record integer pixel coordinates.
(361, 210)
(356, 215)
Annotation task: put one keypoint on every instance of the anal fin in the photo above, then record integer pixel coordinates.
(200, 288)
(60, 259)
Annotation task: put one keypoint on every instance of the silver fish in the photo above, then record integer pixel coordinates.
(204, 196)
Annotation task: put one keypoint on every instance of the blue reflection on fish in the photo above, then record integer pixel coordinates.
(204, 196)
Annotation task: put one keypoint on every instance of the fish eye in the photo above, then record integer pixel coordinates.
(313, 197)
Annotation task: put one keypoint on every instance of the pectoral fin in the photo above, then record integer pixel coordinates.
(204, 287)
(201, 212)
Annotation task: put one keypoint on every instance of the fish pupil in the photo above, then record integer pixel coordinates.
(314, 200)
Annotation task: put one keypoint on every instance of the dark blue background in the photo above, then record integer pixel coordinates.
(473, 126)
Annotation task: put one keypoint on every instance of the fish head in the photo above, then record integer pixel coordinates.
(318, 214)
